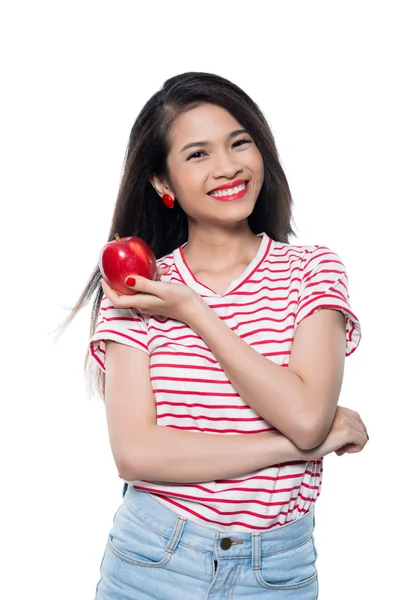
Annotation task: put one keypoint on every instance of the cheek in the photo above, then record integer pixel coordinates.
(261, 172)
(258, 163)
(189, 182)
(260, 169)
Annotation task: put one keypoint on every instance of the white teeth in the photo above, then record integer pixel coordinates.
(229, 192)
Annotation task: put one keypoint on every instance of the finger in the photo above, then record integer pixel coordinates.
(349, 449)
(135, 301)
(111, 294)
(144, 285)
(360, 439)
(162, 271)
(358, 443)
(354, 449)
(359, 425)
(365, 429)
(358, 420)
(343, 449)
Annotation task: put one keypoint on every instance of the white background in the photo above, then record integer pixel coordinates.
(74, 77)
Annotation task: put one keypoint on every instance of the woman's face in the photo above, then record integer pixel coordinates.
(209, 149)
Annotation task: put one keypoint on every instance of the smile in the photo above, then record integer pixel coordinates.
(231, 193)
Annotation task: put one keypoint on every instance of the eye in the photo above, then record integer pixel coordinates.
(236, 144)
(241, 142)
(194, 155)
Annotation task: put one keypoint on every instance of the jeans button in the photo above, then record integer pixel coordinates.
(226, 543)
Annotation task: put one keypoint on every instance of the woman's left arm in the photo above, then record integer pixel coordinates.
(299, 401)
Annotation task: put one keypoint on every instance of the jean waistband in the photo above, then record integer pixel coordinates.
(158, 517)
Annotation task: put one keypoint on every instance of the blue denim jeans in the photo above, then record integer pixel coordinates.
(152, 553)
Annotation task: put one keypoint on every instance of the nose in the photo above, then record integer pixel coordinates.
(225, 166)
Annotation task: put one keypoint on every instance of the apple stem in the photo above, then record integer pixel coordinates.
(117, 237)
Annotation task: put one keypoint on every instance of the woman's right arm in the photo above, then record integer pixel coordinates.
(144, 450)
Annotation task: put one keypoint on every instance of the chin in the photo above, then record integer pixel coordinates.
(236, 216)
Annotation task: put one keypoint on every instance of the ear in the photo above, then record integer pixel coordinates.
(158, 184)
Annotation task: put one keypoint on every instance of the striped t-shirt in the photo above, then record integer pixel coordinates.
(282, 285)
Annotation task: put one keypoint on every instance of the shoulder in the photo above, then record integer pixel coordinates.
(305, 255)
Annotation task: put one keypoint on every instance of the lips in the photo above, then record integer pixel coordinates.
(222, 196)
(228, 186)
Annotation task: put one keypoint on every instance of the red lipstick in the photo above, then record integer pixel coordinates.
(226, 186)
(236, 196)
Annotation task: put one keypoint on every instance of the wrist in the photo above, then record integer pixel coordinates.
(294, 452)
(195, 310)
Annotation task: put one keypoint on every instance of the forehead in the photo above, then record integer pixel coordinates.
(205, 122)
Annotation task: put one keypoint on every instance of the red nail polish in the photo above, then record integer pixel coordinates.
(130, 281)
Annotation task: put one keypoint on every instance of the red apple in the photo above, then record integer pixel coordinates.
(126, 256)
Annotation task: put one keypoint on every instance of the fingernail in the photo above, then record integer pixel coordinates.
(130, 281)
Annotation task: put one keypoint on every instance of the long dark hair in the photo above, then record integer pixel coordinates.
(139, 210)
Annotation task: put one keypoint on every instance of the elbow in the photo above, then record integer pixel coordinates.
(143, 459)
(131, 467)
(127, 472)
(311, 435)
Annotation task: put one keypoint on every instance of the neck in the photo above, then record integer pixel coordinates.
(218, 249)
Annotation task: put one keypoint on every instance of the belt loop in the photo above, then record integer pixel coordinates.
(256, 550)
(176, 535)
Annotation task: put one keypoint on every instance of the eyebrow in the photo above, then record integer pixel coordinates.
(230, 136)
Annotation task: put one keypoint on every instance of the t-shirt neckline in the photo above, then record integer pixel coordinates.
(190, 279)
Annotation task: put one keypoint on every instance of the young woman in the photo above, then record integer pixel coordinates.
(221, 378)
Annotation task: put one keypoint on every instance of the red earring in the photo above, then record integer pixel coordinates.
(168, 201)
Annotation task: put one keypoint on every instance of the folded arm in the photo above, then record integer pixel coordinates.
(299, 401)
(144, 450)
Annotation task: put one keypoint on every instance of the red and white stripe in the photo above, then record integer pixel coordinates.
(282, 285)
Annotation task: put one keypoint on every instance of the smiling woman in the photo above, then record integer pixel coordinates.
(228, 167)
(221, 379)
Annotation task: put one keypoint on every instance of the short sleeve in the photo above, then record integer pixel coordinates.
(324, 284)
(123, 325)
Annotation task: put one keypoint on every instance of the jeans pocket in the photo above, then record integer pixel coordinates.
(288, 570)
(133, 541)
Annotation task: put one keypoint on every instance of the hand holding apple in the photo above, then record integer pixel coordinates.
(174, 300)
(123, 257)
